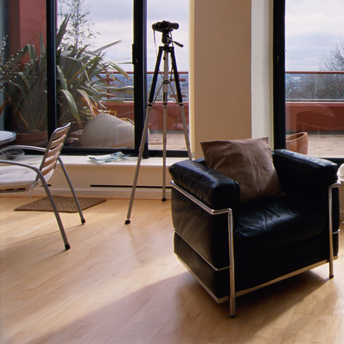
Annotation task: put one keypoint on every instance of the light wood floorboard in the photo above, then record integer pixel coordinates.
(123, 284)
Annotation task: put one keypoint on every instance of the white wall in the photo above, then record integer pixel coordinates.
(262, 114)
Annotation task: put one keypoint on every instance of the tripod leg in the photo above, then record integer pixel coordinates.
(142, 146)
(164, 141)
(144, 134)
(164, 136)
(180, 101)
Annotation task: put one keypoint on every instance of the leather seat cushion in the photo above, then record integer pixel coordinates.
(261, 228)
(269, 225)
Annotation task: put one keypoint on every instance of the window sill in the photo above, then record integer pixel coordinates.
(111, 179)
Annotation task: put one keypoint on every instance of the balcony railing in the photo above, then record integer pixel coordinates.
(315, 104)
(315, 101)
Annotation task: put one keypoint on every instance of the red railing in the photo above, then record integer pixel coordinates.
(323, 111)
(312, 115)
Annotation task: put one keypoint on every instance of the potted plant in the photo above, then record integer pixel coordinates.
(298, 142)
(82, 84)
(24, 88)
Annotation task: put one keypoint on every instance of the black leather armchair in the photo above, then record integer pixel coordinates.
(234, 248)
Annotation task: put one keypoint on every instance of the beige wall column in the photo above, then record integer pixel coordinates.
(220, 71)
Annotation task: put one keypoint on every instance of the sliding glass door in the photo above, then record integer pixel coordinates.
(313, 80)
(97, 45)
(177, 13)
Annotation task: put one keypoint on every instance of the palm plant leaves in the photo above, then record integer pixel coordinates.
(82, 82)
(71, 104)
(62, 31)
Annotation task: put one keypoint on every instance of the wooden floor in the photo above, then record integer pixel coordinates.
(123, 284)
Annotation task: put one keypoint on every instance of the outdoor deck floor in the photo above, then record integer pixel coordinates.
(329, 146)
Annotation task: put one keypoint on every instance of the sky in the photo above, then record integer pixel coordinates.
(114, 20)
(313, 27)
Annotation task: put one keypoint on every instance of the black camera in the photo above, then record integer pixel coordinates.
(165, 26)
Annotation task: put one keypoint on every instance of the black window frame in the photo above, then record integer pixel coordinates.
(279, 74)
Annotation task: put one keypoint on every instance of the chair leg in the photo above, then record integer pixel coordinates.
(73, 191)
(57, 215)
(232, 302)
(330, 230)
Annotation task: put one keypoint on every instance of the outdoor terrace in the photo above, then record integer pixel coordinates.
(314, 104)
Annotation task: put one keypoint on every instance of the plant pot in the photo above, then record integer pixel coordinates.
(37, 138)
(297, 142)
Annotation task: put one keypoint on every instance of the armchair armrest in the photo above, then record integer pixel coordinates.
(303, 176)
(294, 167)
(212, 188)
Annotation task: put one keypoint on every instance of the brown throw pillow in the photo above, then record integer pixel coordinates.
(249, 162)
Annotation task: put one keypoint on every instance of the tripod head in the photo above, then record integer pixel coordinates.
(166, 27)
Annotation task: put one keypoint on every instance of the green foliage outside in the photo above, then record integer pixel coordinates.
(84, 79)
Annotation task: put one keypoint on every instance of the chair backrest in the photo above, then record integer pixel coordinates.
(53, 150)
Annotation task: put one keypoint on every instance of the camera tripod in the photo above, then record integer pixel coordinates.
(164, 52)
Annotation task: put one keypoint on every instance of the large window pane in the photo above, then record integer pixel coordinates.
(314, 84)
(97, 45)
(173, 12)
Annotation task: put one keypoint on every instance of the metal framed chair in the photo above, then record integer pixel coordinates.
(18, 176)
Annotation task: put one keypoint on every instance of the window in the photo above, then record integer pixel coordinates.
(103, 96)
(311, 89)
(176, 12)
(104, 88)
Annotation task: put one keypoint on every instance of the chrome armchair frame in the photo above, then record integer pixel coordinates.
(233, 294)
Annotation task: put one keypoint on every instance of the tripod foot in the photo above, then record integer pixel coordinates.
(127, 222)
